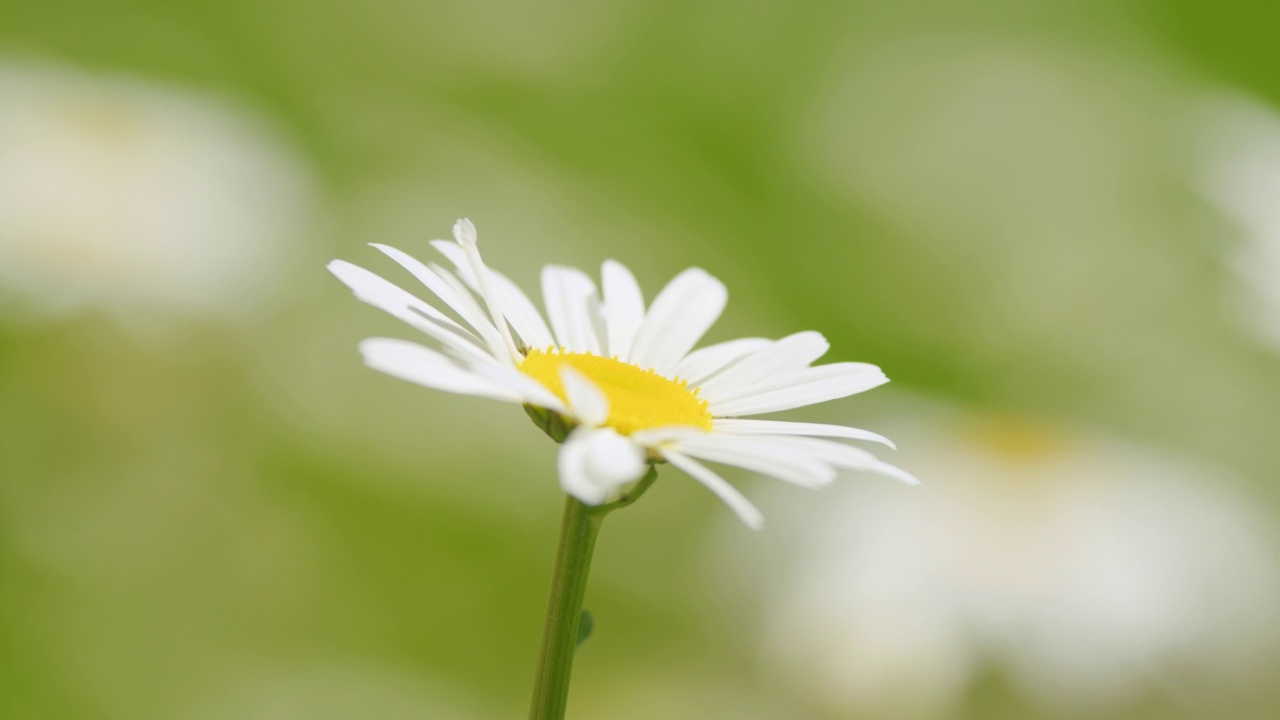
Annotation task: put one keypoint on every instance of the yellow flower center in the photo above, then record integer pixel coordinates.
(638, 399)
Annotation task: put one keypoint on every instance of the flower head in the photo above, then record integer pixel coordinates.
(621, 385)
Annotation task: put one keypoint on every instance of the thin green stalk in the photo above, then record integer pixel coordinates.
(564, 610)
(578, 531)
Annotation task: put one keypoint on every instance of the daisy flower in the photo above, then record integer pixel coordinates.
(619, 384)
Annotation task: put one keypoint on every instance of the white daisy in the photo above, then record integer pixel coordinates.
(619, 385)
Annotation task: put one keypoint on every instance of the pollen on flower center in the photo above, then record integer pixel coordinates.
(638, 398)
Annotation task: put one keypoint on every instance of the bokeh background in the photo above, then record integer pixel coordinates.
(1056, 225)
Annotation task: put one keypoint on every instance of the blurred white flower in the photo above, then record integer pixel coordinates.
(1086, 569)
(1241, 176)
(139, 197)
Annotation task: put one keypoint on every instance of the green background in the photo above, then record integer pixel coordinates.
(994, 201)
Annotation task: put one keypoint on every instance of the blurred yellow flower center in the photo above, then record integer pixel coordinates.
(638, 399)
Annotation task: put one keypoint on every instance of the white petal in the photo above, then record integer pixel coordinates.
(455, 255)
(527, 321)
(739, 504)
(389, 298)
(787, 355)
(587, 403)
(483, 324)
(424, 366)
(736, 426)
(894, 471)
(573, 306)
(702, 363)
(680, 315)
(788, 465)
(839, 455)
(385, 295)
(594, 463)
(465, 233)
(532, 391)
(623, 308)
(452, 294)
(521, 313)
(657, 437)
(806, 387)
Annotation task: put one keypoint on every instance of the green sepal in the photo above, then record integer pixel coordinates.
(550, 422)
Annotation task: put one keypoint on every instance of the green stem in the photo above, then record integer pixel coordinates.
(578, 531)
(564, 610)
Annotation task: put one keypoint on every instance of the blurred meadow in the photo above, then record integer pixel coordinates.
(1055, 225)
